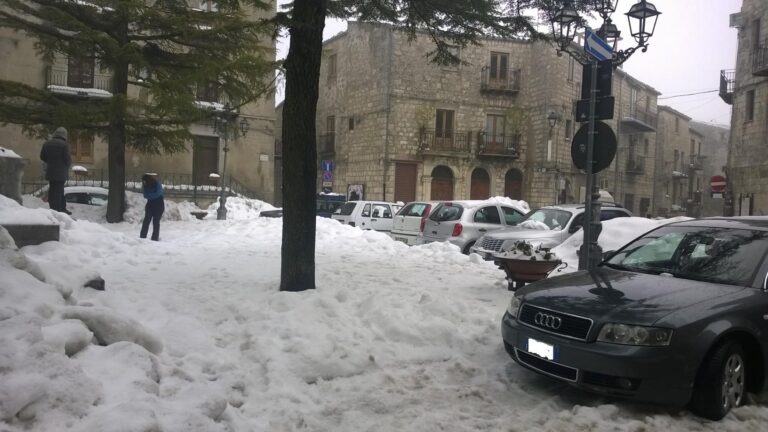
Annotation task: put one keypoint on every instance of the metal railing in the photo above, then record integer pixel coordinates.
(727, 85)
(697, 162)
(456, 142)
(499, 145)
(55, 77)
(760, 60)
(642, 115)
(500, 80)
(635, 166)
(326, 143)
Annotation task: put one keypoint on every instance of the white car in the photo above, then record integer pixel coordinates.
(86, 195)
(368, 215)
(410, 220)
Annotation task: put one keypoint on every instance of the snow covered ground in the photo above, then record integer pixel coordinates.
(192, 334)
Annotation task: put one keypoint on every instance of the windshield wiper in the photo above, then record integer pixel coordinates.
(619, 267)
(654, 271)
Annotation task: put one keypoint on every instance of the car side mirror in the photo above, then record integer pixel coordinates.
(574, 228)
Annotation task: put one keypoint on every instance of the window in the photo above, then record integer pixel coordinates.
(488, 215)
(633, 102)
(511, 216)
(366, 211)
(208, 91)
(494, 129)
(693, 145)
(629, 201)
(415, 209)
(571, 68)
(499, 66)
(756, 34)
(382, 211)
(568, 131)
(750, 109)
(347, 208)
(444, 123)
(446, 212)
(677, 125)
(647, 146)
(612, 214)
(351, 123)
(80, 72)
(81, 146)
(332, 67)
(330, 125)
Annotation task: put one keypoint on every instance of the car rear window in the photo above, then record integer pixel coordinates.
(415, 209)
(447, 212)
(347, 208)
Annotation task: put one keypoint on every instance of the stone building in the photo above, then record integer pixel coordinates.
(250, 159)
(746, 89)
(679, 165)
(406, 129)
(714, 158)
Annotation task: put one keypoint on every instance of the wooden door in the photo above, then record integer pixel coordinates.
(480, 187)
(205, 159)
(442, 184)
(405, 182)
(80, 72)
(513, 184)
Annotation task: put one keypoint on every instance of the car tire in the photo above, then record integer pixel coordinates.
(467, 247)
(721, 383)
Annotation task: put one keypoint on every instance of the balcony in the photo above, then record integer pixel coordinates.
(499, 145)
(760, 60)
(326, 144)
(635, 166)
(444, 142)
(677, 175)
(61, 82)
(505, 81)
(638, 121)
(697, 163)
(727, 84)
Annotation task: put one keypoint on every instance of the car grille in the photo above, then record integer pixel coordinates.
(491, 244)
(546, 366)
(571, 326)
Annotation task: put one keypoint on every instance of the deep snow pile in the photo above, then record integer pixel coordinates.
(192, 334)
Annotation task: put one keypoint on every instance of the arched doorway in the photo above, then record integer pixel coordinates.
(442, 184)
(480, 188)
(513, 184)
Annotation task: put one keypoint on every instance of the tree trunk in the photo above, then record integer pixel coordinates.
(116, 141)
(302, 74)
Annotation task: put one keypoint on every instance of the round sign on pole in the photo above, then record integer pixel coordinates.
(603, 150)
(717, 183)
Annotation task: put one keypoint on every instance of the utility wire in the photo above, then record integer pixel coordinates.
(688, 94)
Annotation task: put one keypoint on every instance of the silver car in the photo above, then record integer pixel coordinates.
(548, 226)
(463, 222)
(409, 221)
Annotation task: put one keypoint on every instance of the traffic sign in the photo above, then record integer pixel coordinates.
(327, 165)
(603, 109)
(597, 47)
(603, 150)
(327, 176)
(717, 183)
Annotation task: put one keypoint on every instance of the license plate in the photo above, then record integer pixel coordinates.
(541, 349)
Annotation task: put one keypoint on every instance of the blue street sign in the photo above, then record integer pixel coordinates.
(327, 165)
(327, 176)
(597, 47)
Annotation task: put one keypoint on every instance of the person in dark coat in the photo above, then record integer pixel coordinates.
(55, 154)
(153, 211)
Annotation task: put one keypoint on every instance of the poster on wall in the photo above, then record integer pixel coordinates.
(355, 192)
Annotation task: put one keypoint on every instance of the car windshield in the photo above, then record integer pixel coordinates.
(720, 255)
(553, 219)
(347, 208)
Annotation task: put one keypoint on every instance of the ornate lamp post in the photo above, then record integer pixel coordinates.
(226, 126)
(642, 18)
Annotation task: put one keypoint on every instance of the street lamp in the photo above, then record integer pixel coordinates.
(225, 124)
(642, 18)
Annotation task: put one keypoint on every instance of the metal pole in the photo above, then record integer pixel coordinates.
(590, 251)
(221, 213)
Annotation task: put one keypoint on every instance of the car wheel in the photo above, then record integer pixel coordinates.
(466, 248)
(722, 382)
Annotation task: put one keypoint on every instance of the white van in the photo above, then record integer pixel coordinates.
(370, 215)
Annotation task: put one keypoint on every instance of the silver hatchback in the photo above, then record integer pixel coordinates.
(463, 222)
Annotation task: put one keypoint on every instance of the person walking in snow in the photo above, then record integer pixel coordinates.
(55, 154)
(153, 211)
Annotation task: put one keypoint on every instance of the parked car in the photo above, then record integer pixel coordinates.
(372, 215)
(328, 203)
(86, 195)
(409, 221)
(463, 222)
(548, 226)
(276, 213)
(678, 316)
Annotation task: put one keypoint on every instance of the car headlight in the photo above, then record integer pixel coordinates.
(514, 306)
(634, 335)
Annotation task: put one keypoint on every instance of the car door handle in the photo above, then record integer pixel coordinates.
(482, 230)
(434, 232)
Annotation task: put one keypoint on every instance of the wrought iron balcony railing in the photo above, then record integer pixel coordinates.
(444, 142)
(647, 117)
(499, 145)
(500, 80)
(60, 81)
(697, 162)
(760, 60)
(727, 84)
(635, 166)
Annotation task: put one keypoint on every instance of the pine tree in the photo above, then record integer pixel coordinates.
(165, 48)
(447, 22)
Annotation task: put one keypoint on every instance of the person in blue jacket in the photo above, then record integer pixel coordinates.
(153, 211)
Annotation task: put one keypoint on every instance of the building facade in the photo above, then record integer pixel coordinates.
(250, 162)
(714, 158)
(499, 124)
(746, 89)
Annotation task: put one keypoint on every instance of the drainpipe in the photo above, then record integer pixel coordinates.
(388, 96)
(617, 196)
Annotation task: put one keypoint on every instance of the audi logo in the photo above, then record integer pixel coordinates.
(548, 321)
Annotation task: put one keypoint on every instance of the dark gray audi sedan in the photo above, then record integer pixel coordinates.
(678, 316)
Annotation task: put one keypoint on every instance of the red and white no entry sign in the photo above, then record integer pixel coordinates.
(717, 183)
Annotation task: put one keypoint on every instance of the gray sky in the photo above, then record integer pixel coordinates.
(692, 43)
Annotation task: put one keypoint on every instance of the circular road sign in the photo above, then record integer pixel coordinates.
(717, 183)
(603, 151)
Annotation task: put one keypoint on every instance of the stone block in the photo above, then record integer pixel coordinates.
(32, 234)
